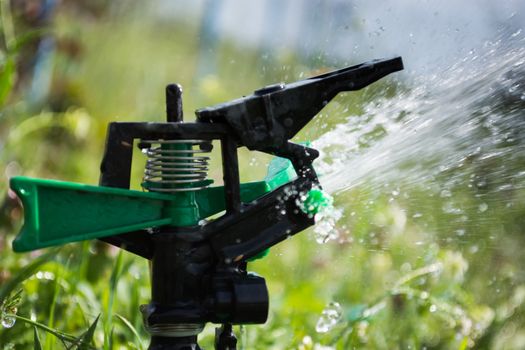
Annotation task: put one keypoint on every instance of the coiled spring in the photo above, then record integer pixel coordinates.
(175, 165)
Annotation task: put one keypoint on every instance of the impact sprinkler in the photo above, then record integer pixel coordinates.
(198, 238)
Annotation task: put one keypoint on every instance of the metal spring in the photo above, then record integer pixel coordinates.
(166, 169)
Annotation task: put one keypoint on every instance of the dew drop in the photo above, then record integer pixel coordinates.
(9, 321)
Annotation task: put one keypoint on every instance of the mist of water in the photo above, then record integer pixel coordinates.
(472, 113)
(445, 155)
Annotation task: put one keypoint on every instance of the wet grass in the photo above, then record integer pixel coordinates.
(400, 272)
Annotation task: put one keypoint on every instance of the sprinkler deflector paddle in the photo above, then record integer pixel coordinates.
(198, 237)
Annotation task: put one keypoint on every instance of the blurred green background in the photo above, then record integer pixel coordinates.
(401, 274)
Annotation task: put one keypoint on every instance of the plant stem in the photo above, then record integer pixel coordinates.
(56, 333)
(8, 29)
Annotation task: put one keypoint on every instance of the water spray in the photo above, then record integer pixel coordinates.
(198, 260)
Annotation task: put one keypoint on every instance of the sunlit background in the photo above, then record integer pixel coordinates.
(424, 248)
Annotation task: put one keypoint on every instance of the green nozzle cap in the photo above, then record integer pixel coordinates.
(316, 199)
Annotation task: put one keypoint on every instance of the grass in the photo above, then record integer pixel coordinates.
(402, 275)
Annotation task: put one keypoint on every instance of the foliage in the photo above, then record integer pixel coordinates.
(401, 275)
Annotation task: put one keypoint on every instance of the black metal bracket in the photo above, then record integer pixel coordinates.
(199, 272)
(264, 121)
(238, 224)
(271, 116)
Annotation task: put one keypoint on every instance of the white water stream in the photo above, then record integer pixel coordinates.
(470, 112)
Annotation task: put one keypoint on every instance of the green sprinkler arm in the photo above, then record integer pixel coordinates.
(59, 212)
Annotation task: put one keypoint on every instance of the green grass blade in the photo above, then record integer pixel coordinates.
(38, 344)
(64, 337)
(133, 330)
(110, 342)
(59, 275)
(7, 78)
(24, 39)
(115, 275)
(87, 338)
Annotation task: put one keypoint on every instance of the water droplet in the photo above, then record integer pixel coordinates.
(45, 275)
(325, 224)
(330, 317)
(449, 208)
(445, 194)
(9, 321)
(483, 207)
(433, 308)
(460, 232)
(481, 184)
(307, 340)
(514, 88)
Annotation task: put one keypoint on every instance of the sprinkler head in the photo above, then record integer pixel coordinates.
(198, 255)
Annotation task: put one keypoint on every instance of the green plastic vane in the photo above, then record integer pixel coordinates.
(59, 212)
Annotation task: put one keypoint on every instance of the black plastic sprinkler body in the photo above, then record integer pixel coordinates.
(198, 264)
